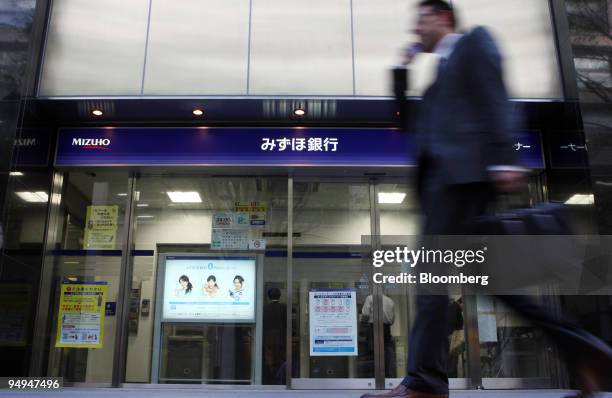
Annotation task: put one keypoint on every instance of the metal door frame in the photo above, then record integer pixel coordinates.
(297, 383)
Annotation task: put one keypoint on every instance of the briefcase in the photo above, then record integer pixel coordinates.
(531, 247)
(544, 219)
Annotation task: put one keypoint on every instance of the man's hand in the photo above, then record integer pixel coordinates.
(410, 52)
(509, 181)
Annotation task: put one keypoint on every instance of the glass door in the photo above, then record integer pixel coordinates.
(400, 222)
(399, 219)
(333, 341)
(345, 331)
(217, 314)
(513, 353)
(84, 267)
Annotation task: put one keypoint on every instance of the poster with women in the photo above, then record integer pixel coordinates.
(200, 288)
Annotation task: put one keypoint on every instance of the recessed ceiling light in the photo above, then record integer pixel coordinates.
(145, 216)
(136, 195)
(142, 205)
(16, 173)
(391, 197)
(581, 199)
(184, 197)
(71, 262)
(34, 197)
(299, 112)
(198, 112)
(97, 112)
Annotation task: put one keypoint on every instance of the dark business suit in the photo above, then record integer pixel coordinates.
(463, 130)
(274, 341)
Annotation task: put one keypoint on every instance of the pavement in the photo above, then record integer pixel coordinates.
(161, 392)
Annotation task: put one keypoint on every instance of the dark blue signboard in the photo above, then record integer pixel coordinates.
(568, 150)
(208, 146)
(528, 146)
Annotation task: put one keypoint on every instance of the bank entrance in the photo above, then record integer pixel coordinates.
(239, 257)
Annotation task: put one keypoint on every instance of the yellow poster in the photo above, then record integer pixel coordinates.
(81, 315)
(101, 227)
(251, 207)
(256, 210)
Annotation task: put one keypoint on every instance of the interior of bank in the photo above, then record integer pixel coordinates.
(331, 222)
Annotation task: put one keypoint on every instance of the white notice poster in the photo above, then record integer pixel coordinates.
(333, 322)
(209, 289)
(230, 239)
(230, 231)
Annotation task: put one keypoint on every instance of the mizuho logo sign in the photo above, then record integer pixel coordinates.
(25, 142)
(92, 143)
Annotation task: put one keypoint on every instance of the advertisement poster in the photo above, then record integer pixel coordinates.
(230, 231)
(230, 220)
(256, 210)
(15, 302)
(209, 288)
(333, 322)
(81, 313)
(101, 227)
(251, 207)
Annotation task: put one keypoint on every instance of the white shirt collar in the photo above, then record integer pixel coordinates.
(446, 46)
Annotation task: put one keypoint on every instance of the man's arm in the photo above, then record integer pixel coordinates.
(491, 96)
(366, 310)
(391, 311)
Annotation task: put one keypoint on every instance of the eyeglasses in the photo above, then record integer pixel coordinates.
(421, 14)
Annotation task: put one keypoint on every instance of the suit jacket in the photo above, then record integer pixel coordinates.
(464, 121)
(275, 324)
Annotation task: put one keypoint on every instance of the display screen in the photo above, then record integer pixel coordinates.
(209, 289)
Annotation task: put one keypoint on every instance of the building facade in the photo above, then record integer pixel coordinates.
(187, 186)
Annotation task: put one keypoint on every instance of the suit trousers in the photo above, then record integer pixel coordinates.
(449, 211)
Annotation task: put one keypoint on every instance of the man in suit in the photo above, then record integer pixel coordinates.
(274, 336)
(465, 156)
(367, 312)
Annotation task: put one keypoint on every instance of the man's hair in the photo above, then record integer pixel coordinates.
(274, 293)
(441, 6)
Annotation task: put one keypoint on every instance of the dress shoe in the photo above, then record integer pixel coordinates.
(401, 391)
(592, 379)
(593, 370)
